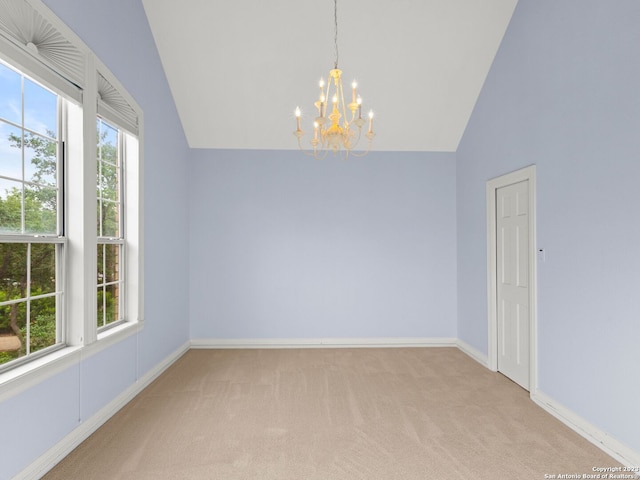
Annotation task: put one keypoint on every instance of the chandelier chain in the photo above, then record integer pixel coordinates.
(335, 38)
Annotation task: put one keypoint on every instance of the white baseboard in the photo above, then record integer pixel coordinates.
(474, 353)
(322, 342)
(47, 461)
(599, 438)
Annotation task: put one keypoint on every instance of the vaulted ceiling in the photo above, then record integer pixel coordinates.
(237, 69)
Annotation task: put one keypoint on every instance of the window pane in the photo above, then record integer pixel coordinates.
(43, 268)
(100, 259)
(42, 331)
(10, 207)
(112, 305)
(100, 315)
(13, 285)
(40, 109)
(112, 260)
(13, 271)
(108, 182)
(41, 159)
(110, 227)
(13, 328)
(108, 143)
(99, 218)
(40, 210)
(10, 151)
(10, 95)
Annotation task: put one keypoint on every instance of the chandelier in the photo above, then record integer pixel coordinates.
(338, 125)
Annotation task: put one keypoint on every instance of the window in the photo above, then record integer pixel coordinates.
(70, 198)
(31, 211)
(110, 213)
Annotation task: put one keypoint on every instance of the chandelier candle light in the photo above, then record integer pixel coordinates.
(329, 134)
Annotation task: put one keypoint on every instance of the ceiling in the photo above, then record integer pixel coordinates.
(237, 69)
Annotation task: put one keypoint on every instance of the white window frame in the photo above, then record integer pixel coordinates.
(58, 238)
(78, 81)
(119, 109)
(120, 240)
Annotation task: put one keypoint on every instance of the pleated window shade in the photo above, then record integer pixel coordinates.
(46, 52)
(112, 106)
(41, 48)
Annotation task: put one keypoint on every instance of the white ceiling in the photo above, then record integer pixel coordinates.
(238, 68)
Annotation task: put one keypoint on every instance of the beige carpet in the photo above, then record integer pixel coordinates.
(329, 414)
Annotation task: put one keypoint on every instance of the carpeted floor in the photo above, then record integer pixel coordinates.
(330, 414)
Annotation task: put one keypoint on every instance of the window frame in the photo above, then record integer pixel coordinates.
(120, 239)
(81, 82)
(57, 238)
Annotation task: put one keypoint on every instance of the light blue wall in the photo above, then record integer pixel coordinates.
(563, 93)
(285, 246)
(35, 420)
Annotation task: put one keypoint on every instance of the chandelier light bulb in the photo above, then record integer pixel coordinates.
(298, 114)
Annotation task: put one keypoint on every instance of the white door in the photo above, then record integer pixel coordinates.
(512, 256)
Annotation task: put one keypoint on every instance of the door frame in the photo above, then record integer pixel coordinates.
(527, 173)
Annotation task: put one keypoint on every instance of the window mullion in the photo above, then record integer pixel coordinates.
(89, 206)
(121, 183)
(81, 218)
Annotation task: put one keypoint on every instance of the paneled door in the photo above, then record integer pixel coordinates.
(512, 257)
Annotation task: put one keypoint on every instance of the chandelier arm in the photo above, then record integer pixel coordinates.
(344, 105)
(364, 152)
(357, 142)
(318, 154)
(321, 157)
(328, 98)
(313, 153)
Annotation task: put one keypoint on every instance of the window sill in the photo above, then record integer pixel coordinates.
(112, 336)
(31, 373)
(36, 371)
